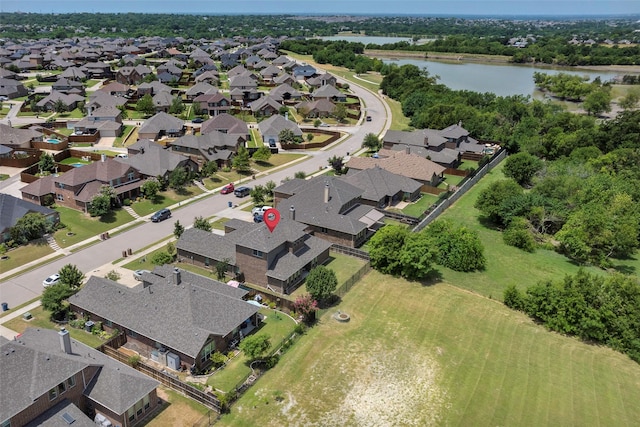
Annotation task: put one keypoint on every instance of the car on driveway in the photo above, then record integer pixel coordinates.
(54, 279)
(161, 215)
(227, 189)
(138, 274)
(368, 118)
(259, 210)
(197, 120)
(258, 217)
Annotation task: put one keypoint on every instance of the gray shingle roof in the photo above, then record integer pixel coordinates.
(161, 122)
(378, 183)
(38, 365)
(155, 161)
(12, 209)
(410, 165)
(276, 124)
(180, 317)
(53, 416)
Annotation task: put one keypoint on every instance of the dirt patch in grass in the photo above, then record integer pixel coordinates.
(178, 411)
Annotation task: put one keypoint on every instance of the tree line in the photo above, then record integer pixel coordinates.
(595, 308)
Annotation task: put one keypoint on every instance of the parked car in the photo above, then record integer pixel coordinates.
(122, 156)
(242, 191)
(259, 210)
(227, 189)
(161, 215)
(138, 274)
(197, 120)
(54, 279)
(258, 217)
(324, 125)
(368, 118)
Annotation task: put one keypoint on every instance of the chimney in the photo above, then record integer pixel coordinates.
(326, 192)
(65, 340)
(460, 123)
(292, 213)
(407, 150)
(102, 157)
(176, 276)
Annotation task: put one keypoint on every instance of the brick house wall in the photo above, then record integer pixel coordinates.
(251, 266)
(43, 402)
(138, 411)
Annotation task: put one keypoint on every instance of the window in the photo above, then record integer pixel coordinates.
(145, 401)
(323, 229)
(53, 393)
(71, 382)
(108, 323)
(59, 197)
(257, 253)
(132, 334)
(130, 176)
(131, 414)
(62, 388)
(138, 408)
(207, 351)
(6, 424)
(207, 262)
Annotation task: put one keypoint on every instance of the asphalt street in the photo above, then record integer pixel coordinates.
(25, 287)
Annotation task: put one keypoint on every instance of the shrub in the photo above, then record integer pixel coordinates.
(126, 202)
(161, 258)
(113, 275)
(519, 235)
(218, 359)
(134, 360)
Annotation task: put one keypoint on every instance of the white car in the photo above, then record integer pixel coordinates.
(259, 210)
(54, 279)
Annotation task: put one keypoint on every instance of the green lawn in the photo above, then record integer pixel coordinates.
(144, 262)
(41, 320)
(277, 326)
(74, 114)
(3, 176)
(453, 179)
(164, 199)
(418, 207)
(256, 139)
(83, 226)
(438, 355)
(125, 133)
(25, 254)
(398, 120)
(343, 265)
(505, 265)
(72, 160)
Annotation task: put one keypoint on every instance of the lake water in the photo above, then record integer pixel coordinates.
(501, 79)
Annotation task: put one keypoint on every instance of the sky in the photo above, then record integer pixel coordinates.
(334, 7)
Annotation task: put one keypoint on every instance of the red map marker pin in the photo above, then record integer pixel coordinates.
(271, 218)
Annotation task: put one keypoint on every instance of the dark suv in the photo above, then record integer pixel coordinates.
(161, 215)
(242, 191)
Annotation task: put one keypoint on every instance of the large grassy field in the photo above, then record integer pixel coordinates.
(438, 355)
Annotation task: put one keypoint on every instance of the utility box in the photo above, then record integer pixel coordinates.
(173, 361)
(88, 325)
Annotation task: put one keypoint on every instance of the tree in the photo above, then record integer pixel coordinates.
(161, 258)
(269, 186)
(201, 224)
(178, 178)
(176, 107)
(221, 269)
(178, 229)
(145, 105)
(631, 99)
(597, 102)
(522, 167)
(337, 163)
(286, 136)
(53, 299)
(241, 161)
(417, 256)
(197, 109)
(150, 188)
(59, 106)
(340, 112)
(255, 346)
(262, 154)
(71, 276)
(300, 175)
(385, 248)
(371, 142)
(258, 194)
(123, 111)
(316, 123)
(490, 200)
(46, 164)
(513, 298)
(306, 306)
(208, 169)
(32, 226)
(321, 282)
(518, 234)
(100, 204)
(458, 248)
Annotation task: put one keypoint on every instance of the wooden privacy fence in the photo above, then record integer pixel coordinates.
(165, 378)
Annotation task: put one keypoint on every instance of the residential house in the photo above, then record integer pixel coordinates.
(174, 317)
(12, 88)
(75, 188)
(198, 89)
(100, 99)
(106, 120)
(152, 88)
(212, 77)
(265, 106)
(303, 72)
(132, 75)
(269, 73)
(277, 260)
(284, 79)
(98, 70)
(214, 104)
(153, 160)
(284, 92)
(319, 108)
(226, 123)
(162, 101)
(330, 207)
(243, 89)
(115, 89)
(18, 138)
(404, 163)
(73, 73)
(67, 86)
(330, 93)
(57, 381)
(49, 102)
(12, 209)
(212, 147)
(270, 128)
(161, 125)
(322, 80)
(383, 188)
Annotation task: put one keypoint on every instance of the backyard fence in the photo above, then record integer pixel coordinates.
(405, 219)
(357, 253)
(469, 182)
(166, 379)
